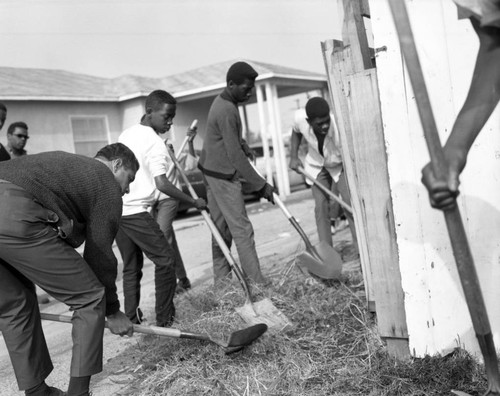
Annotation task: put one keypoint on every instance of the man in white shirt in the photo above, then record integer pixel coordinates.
(138, 231)
(323, 161)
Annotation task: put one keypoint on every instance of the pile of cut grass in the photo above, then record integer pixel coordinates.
(332, 350)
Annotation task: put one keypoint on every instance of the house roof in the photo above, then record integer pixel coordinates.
(51, 85)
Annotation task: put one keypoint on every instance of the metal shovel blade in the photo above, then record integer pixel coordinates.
(460, 393)
(325, 264)
(241, 338)
(265, 312)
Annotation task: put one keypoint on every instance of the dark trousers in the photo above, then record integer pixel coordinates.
(140, 233)
(32, 253)
(322, 205)
(164, 213)
(228, 211)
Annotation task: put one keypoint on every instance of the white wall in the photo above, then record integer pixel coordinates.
(437, 315)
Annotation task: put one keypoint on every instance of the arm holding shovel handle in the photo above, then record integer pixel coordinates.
(456, 231)
(165, 185)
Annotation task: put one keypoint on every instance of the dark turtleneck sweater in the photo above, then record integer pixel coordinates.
(222, 155)
(85, 195)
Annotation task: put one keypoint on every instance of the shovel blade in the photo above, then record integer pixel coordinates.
(264, 311)
(325, 264)
(241, 338)
(460, 393)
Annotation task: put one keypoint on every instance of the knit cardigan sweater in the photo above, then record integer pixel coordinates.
(222, 155)
(85, 195)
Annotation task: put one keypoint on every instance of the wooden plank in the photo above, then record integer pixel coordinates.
(376, 203)
(334, 56)
(398, 347)
(354, 35)
(365, 8)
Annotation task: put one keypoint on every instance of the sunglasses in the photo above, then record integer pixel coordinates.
(21, 136)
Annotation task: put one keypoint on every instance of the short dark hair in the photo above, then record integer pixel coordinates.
(317, 107)
(14, 125)
(3, 107)
(158, 98)
(119, 151)
(239, 71)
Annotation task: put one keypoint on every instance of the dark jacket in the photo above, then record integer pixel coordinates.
(4, 154)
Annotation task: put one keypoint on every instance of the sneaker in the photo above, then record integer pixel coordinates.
(183, 285)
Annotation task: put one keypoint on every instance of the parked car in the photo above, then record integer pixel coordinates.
(195, 178)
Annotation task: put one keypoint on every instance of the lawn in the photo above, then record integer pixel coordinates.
(333, 349)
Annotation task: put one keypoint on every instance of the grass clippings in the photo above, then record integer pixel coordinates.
(333, 349)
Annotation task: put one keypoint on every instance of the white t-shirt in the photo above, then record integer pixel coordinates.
(153, 158)
(314, 161)
(188, 163)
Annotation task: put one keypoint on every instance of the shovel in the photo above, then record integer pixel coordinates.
(252, 312)
(321, 260)
(325, 190)
(237, 339)
(456, 231)
(171, 169)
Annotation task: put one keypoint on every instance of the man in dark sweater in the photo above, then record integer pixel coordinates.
(224, 161)
(51, 203)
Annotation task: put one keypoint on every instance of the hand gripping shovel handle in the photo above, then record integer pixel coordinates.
(325, 190)
(236, 342)
(456, 231)
(171, 169)
(215, 232)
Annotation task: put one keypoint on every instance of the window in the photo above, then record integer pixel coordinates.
(90, 134)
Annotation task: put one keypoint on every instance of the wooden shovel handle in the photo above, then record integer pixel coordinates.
(325, 190)
(215, 232)
(171, 169)
(155, 330)
(456, 231)
(290, 218)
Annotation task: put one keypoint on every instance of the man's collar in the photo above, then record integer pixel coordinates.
(227, 96)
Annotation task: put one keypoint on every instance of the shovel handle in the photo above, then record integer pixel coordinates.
(325, 190)
(290, 218)
(456, 231)
(171, 169)
(155, 330)
(215, 232)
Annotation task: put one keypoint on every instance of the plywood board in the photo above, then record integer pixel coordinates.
(436, 311)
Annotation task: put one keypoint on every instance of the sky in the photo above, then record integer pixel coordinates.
(155, 38)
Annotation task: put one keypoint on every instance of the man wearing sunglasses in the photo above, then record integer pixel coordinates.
(17, 137)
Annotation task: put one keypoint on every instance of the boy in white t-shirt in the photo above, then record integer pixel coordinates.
(323, 161)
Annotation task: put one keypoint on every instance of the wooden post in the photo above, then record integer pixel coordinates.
(356, 107)
(281, 146)
(263, 133)
(274, 134)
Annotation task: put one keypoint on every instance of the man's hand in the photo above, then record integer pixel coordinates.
(267, 192)
(119, 324)
(191, 133)
(443, 192)
(295, 164)
(200, 204)
(248, 151)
